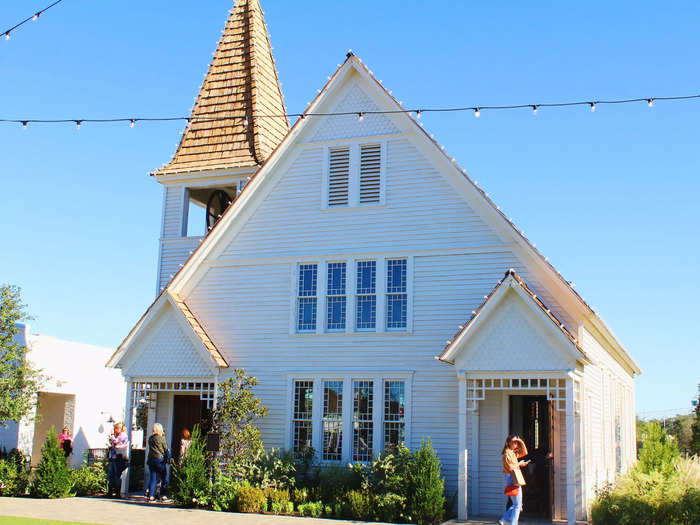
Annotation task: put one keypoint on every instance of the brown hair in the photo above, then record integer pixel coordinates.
(509, 440)
(185, 434)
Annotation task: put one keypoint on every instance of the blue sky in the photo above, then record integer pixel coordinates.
(610, 197)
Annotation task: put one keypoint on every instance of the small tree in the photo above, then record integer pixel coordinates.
(658, 450)
(236, 412)
(191, 487)
(53, 478)
(426, 501)
(695, 439)
(19, 382)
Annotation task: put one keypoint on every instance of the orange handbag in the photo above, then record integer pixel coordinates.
(511, 490)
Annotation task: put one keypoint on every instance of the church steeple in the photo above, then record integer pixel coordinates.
(242, 80)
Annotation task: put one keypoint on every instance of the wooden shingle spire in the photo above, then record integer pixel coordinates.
(242, 80)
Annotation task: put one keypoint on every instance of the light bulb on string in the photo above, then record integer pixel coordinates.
(360, 116)
(78, 123)
(24, 124)
(650, 102)
(36, 17)
(477, 112)
(131, 124)
(534, 110)
(7, 35)
(592, 104)
(245, 122)
(418, 114)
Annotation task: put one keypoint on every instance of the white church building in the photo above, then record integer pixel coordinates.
(375, 291)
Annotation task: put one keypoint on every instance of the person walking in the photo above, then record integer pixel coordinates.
(158, 457)
(513, 449)
(118, 450)
(185, 443)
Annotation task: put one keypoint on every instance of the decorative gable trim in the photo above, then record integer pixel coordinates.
(188, 323)
(510, 281)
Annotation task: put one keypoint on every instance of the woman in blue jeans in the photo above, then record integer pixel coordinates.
(158, 457)
(513, 450)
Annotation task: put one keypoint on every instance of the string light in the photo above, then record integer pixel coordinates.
(32, 18)
(78, 123)
(24, 124)
(361, 114)
(131, 124)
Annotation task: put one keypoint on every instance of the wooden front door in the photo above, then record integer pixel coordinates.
(529, 418)
(187, 412)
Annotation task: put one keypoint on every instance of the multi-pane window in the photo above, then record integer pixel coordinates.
(306, 298)
(366, 295)
(394, 413)
(303, 414)
(332, 420)
(363, 431)
(336, 299)
(396, 293)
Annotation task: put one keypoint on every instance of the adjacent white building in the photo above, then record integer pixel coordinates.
(375, 291)
(78, 392)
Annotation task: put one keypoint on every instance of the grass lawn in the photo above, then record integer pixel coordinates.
(10, 520)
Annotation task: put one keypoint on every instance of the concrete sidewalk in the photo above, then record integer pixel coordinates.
(138, 512)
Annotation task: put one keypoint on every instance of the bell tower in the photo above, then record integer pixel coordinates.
(237, 121)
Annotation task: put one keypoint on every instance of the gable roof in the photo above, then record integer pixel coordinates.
(352, 62)
(510, 279)
(168, 297)
(242, 80)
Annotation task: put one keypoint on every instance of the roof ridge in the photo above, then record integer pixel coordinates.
(242, 76)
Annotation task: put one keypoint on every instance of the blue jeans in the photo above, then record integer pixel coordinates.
(513, 513)
(158, 468)
(116, 467)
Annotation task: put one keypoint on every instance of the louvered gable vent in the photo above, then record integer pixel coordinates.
(370, 173)
(338, 176)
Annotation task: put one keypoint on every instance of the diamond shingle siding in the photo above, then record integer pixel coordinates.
(169, 353)
(349, 126)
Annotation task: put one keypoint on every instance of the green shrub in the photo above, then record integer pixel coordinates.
(336, 481)
(251, 499)
(389, 507)
(315, 509)
(425, 502)
(89, 480)
(190, 486)
(668, 496)
(658, 451)
(274, 468)
(277, 497)
(225, 493)
(14, 477)
(53, 478)
(300, 495)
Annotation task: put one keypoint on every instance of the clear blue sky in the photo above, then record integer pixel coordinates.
(610, 197)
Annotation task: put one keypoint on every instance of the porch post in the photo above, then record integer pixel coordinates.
(462, 487)
(128, 416)
(570, 454)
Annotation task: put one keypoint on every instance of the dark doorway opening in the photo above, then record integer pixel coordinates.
(188, 411)
(530, 419)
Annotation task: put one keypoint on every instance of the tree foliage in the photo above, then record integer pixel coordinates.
(658, 450)
(53, 478)
(191, 479)
(19, 382)
(695, 439)
(236, 412)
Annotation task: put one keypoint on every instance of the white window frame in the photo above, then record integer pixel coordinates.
(386, 294)
(351, 295)
(327, 264)
(355, 294)
(354, 175)
(348, 379)
(297, 298)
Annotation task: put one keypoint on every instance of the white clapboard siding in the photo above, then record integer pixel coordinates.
(370, 173)
(290, 221)
(491, 437)
(173, 254)
(245, 309)
(173, 206)
(338, 176)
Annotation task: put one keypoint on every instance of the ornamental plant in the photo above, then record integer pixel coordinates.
(89, 479)
(190, 478)
(236, 412)
(14, 477)
(53, 478)
(426, 502)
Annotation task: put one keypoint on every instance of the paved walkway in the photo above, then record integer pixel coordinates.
(136, 511)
